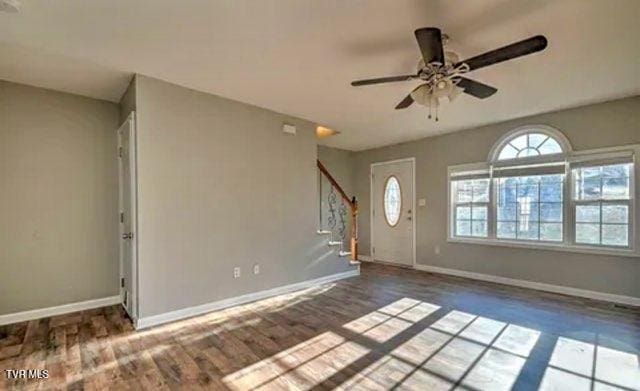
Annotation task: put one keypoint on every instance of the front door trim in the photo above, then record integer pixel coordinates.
(412, 160)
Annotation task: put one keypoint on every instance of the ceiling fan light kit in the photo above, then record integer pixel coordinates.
(443, 72)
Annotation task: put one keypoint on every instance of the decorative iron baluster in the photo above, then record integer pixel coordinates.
(331, 219)
(342, 229)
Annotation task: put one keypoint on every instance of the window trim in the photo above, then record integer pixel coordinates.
(570, 158)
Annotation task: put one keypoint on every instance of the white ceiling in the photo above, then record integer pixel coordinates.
(298, 56)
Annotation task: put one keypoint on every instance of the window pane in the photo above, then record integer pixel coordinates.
(476, 190)
(550, 146)
(527, 211)
(616, 171)
(479, 228)
(551, 212)
(588, 189)
(591, 172)
(508, 152)
(507, 212)
(528, 192)
(551, 192)
(463, 213)
(535, 139)
(608, 182)
(615, 214)
(392, 200)
(527, 230)
(480, 191)
(507, 194)
(615, 188)
(588, 213)
(479, 212)
(528, 152)
(587, 233)
(553, 178)
(551, 231)
(520, 142)
(506, 230)
(615, 234)
(463, 191)
(463, 228)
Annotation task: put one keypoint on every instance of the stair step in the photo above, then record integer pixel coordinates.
(345, 253)
(354, 263)
(332, 243)
(323, 232)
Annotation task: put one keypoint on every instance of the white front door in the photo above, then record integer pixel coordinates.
(392, 205)
(128, 234)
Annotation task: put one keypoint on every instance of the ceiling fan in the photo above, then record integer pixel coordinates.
(442, 71)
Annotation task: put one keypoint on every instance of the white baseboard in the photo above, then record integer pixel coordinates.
(155, 320)
(628, 300)
(58, 310)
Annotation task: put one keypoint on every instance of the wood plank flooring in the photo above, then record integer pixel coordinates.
(390, 328)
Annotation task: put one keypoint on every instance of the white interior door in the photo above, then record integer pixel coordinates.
(128, 234)
(393, 210)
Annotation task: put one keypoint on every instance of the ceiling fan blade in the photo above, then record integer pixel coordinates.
(406, 102)
(518, 49)
(475, 88)
(430, 42)
(383, 80)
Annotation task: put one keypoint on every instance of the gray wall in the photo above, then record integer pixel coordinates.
(601, 125)
(128, 100)
(58, 198)
(220, 185)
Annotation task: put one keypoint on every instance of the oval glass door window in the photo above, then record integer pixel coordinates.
(392, 200)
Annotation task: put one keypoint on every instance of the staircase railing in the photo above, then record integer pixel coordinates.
(352, 203)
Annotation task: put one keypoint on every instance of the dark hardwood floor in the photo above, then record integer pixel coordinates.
(390, 328)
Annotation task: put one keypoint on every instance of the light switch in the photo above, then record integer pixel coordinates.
(422, 202)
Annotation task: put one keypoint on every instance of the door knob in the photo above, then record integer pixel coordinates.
(127, 235)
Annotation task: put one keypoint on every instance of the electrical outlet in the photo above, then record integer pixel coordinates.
(256, 269)
(236, 272)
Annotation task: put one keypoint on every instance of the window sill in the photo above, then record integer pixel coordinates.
(548, 246)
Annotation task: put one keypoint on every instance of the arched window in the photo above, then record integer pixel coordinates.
(534, 191)
(530, 142)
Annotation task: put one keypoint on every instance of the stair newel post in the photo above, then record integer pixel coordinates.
(354, 229)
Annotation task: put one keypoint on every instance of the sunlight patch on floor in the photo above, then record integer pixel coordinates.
(579, 365)
(390, 320)
(301, 366)
(458, 350)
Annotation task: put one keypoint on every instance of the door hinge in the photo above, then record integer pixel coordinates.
(122, 282)
(122, 217)
(119, 151)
